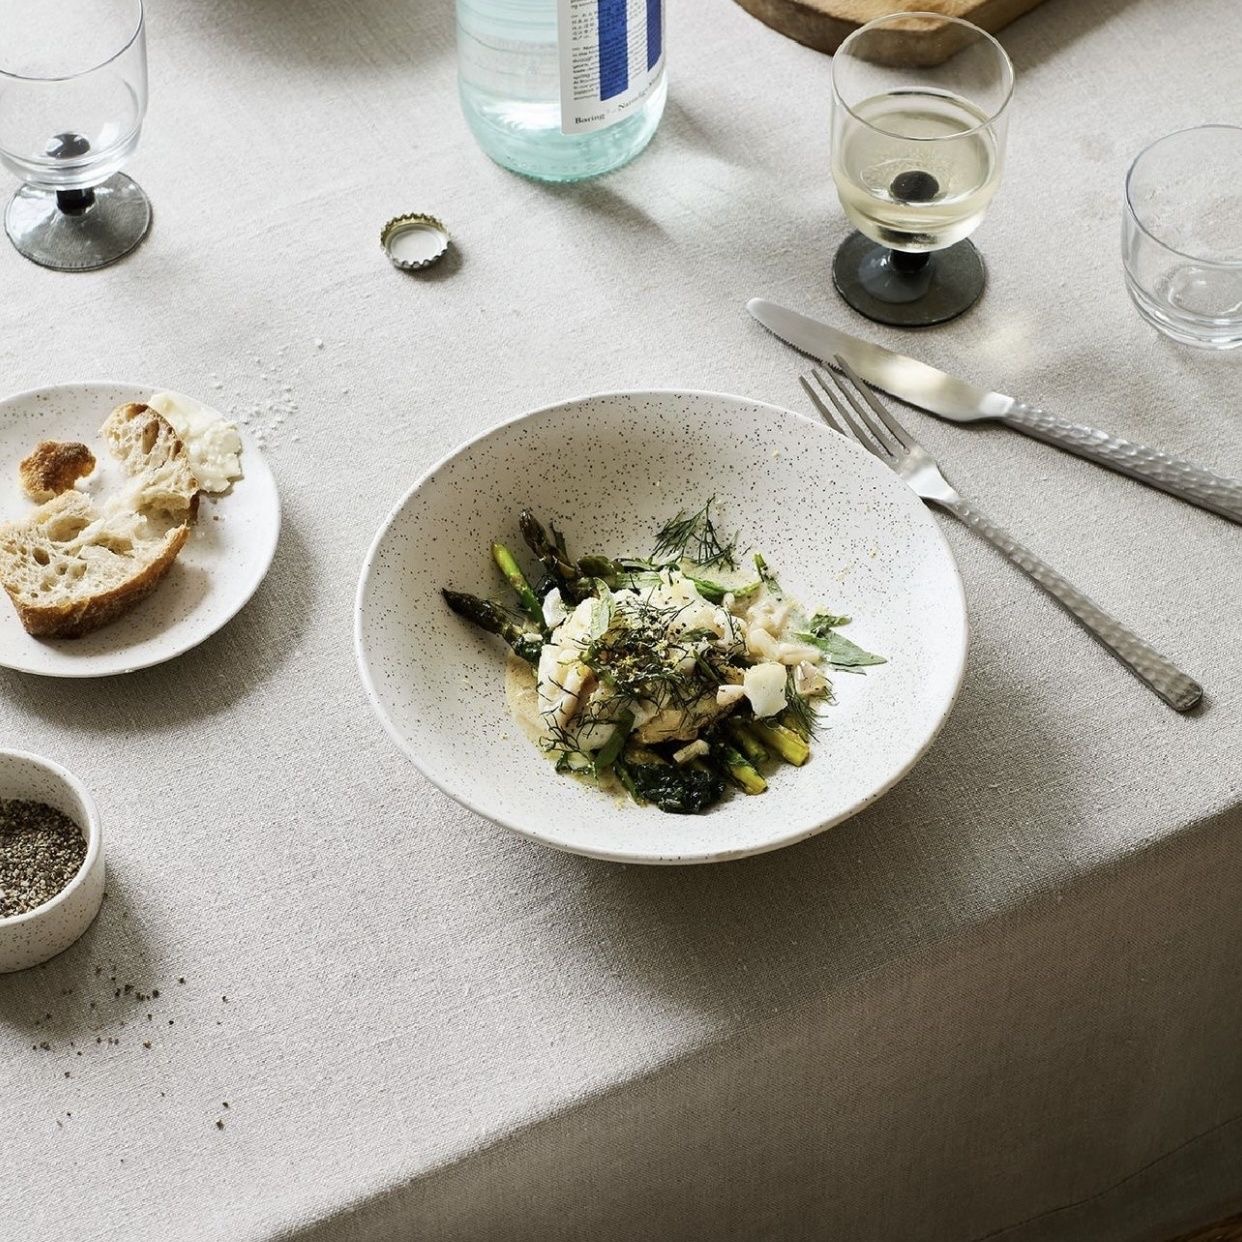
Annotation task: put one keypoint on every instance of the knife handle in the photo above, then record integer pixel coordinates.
(1180, 478)
(1160, 673)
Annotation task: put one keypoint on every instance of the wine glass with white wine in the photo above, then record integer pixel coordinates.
(917, 150)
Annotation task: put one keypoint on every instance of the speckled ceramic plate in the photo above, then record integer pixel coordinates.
(837, 526)
(220, 568)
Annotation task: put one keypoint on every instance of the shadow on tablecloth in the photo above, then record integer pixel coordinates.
(734, 940)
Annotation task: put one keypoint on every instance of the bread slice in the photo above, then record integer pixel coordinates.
(73, 565)
(54, 467)
(154, 457)
(70, 568)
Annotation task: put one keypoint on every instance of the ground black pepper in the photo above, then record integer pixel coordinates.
(41, 850)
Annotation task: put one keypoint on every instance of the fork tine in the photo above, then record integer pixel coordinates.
(884, 436)
(824, 412)
(879, 447)
(905, 439)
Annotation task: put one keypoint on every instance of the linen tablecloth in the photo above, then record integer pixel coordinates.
(1002, 1003)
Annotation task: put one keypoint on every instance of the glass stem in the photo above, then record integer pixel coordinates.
(74, 202)
(907, 261)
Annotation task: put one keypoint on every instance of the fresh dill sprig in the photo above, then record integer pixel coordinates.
(693, 537)
(801, 712)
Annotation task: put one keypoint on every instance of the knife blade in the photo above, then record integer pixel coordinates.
(932, 390)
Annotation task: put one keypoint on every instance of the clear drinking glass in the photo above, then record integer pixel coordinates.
(73, 92)
(919, 120)
(1182, 235)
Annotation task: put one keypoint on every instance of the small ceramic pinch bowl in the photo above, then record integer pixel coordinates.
(30, 938)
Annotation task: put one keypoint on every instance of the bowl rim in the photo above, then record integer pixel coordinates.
(94, 837)
(463, 798)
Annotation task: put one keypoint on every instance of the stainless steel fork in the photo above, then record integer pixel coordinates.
(874, 427)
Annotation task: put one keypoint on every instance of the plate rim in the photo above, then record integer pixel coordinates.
(648, 859)
(252, 451)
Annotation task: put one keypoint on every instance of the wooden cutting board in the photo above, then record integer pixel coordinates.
(823, 24)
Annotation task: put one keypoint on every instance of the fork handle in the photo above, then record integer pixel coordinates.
(1180, 478)
(1162, 675)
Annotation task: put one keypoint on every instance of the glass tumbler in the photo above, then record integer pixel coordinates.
(920, 112)
(73, 93)
(1182, 235)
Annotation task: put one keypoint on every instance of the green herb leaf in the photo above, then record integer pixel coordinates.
(601, 615)
(822, 622)
(767, 577)
(841, 653)
(714, 592)
(680, 791)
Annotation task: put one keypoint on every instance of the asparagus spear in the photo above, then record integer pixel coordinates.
(517, 580)
(747, 743)
(607, 754)
(784, 741)
(603, 567)
(738, 770)
(551, 554)
(490, 616)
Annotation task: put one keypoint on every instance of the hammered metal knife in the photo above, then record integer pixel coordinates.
(937, 393)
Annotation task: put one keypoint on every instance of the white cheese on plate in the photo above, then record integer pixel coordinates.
(212, 442)
(764, 685)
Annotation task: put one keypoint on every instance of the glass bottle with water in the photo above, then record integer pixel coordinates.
(561, 89)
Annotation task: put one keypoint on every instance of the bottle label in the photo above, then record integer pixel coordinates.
(611, 58)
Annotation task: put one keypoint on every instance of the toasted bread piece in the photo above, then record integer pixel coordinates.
(155, 459)
(54, 467)
(70, 568)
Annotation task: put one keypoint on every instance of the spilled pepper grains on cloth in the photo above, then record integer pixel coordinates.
(41, 850)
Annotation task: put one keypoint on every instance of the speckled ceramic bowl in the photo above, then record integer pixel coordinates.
(30, 938)
(837, 526)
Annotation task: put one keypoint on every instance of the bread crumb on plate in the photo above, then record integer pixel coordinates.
(54, 466)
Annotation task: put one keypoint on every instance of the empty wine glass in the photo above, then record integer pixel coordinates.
(920, 112)
(1182, 235)
(73, 92)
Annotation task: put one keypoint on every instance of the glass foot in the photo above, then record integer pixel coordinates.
(78, 231)
(909, 290)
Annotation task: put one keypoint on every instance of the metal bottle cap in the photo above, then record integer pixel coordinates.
(414, 241)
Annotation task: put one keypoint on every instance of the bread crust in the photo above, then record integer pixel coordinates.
(53, 467)
(75, 620)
